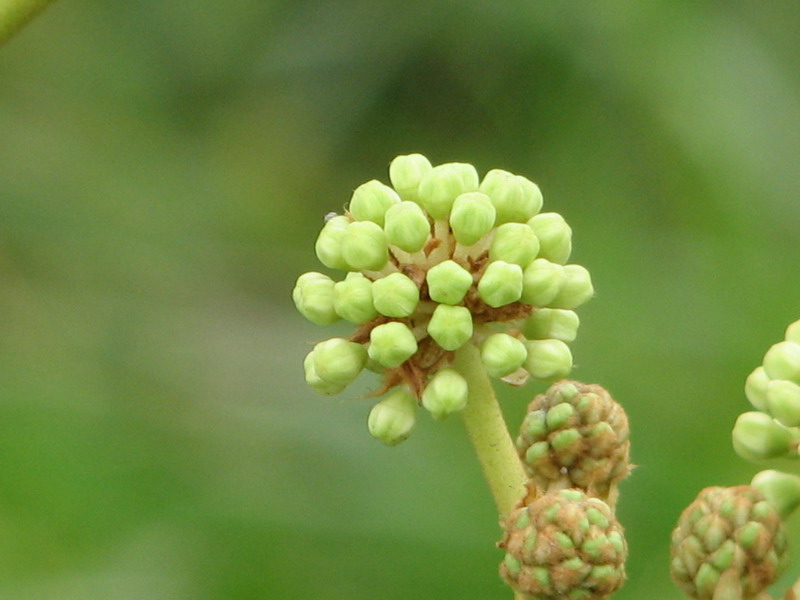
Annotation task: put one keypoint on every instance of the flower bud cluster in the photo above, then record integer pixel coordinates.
(441, 259)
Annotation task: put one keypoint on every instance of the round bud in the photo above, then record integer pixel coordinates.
(371, 200)
(339, 361)
(757, 436)
(315, 382)
(755, 388)
(552, 323)
(391, 344)
(516, 198)
(471, 218)
(405, 173)
(793, 333)
(576, 290)
(448, 282)
(445, 394)
(364, 246)
(443, 184)
(314, 298)
(450, 326)
(500, 284)
(329, 243)
(514, 243)
(783, 401)
(541, 282)
(395, 295)
(548, 359)
(502, 354)
(392, 419)
(407, 227)
(352, 299)
(555, 237)
(782, 361)
(782, 490)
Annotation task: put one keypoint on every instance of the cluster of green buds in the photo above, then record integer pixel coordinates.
(438, 260)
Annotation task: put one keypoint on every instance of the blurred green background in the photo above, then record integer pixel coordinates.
(164, 170)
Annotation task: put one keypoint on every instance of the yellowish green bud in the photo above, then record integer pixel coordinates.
(450, 326)
(782, 490)
(793, 333)
(407, 227)
(555, 237)
(314, 298)
(316, 382)
(391, 344)
(364, 246)
(443, 184)
(406, 172)
(514, 243)
(782, 361)
(542, 280)
(576, 290)
(445, 394)
(548, 359)
(757, 436)
(329, 243)
(352, 299)
(395, 295)
(502, 354)
(755, 388)
(516, 198)
(500, 284)
(552, 323)
(392, 419)
(448, 282)
(472, 217)
(338, 360)
(783, 401)
(371, 200)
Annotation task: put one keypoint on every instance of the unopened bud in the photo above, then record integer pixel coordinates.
(500, 284)
(783, 401)
(793, 333)
(392, 419)
(371, 200)
(352, 299)
(448, 282)
(548, 359)
(450, 326)
(443, 184)
(329, 243)
(577, 288)
(502, 354)
(316, 382)
(541, 282)
(406, 172)
(552, 323)
(339, 361)
(755, 388)
(445, 394)
(555, 237)
(514, 243)
(472, 217)
(516, 198)
(395, 295)
(407, 227)
(391, 344)
(364, 246)
(782, 361)
(757, 436)
(313, 296)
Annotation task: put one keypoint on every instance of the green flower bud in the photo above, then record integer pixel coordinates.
(407, 227)
(352, 299)
(364, 246)
(500, 284)
(755, 388)
(391, 344)
(472, 217)
(450, 326)
(516, 198)
(395, 295)
(783, 401)
(339, 361)
(313, 296)
(514, 243)
(314, 380)
(406, 172)
(329, 243)
(757, 436)
(548, 359)
(443, 184)
(782, 361)
(552, 323)
(448, 282)
(577, 288)
(392, 419)
(371, 200)
(793, 333)
(502, 354)
(445, 394)
(782, 490)
(555, 236)
(541, 282)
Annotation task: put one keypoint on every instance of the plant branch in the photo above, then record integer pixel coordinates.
(14, 14)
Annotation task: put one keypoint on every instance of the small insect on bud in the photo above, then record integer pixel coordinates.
(395, 295)
(445, 394)
(755, 388)
(548, 359)
(339, 361)
(783, 401)
(516, 198)
(502, 354)
(552, 323)
(555, 236)
(782, 361)
(443, 184)
(541, 282)
(313, 296)
(391, 344)
(364, 246)
(450, 326)
(329, 242)
(500, 284)
(407, 227)
(448, 282)
(472, 217)
(392, 419)
(757, 436)
(352, 299)
(514, 243)
(406, 172)
(371, 200)
(576, 290)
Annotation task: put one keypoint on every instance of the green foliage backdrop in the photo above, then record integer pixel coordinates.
(164, 169)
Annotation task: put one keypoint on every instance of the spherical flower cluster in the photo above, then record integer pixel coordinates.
(438, 260)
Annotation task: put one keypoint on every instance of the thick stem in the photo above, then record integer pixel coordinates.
(488, 433)
(16, 13)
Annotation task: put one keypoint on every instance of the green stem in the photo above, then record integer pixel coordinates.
(16, 13)
(488, 433)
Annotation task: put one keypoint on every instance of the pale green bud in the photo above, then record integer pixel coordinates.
(316, 382)
(395, 295)
(329, 243)
(793, 333)
(757, 436)
(755, 388)
(782, 490)
(472, 217)
(406, 172)
(450, 326)
(445, 394)
(552, 323)
(548, 359)
(514, 243)
(364, 246)
(352, 299)
(502, 354)
(371, 200)
(338, 360)
(555, 236)
(448, 282)
(783, 401)
(443, 184)
(782, 361)
(576, 290)
(314, 298)
(391, 344)
(407, 227)
(542, 280)
(516, 198)
(392, 419)
(500, 284)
